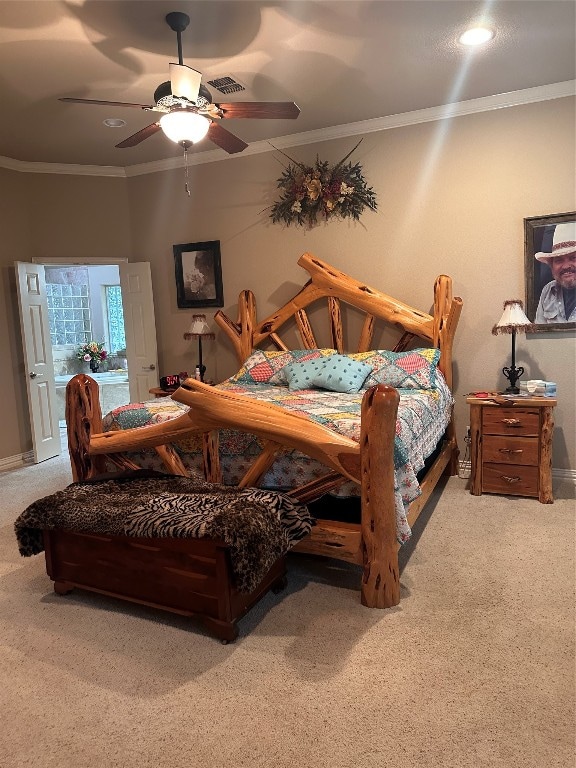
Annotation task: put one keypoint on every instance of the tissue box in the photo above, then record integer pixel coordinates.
(538, 387)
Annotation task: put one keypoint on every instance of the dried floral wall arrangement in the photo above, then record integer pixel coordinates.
(310, 194)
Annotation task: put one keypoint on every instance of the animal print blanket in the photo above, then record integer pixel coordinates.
(258, 526)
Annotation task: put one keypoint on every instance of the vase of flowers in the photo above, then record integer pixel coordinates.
(321, 191)
(92, 352)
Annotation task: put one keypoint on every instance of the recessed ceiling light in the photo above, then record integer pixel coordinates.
(477, 36)
(114, 122)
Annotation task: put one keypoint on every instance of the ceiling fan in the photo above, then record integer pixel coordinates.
(189, 113)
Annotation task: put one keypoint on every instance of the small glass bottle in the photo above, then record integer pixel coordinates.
(197, 374)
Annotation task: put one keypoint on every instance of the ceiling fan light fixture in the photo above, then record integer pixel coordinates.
(184, 127)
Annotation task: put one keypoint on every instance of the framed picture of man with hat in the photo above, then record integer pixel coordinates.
(550, 266)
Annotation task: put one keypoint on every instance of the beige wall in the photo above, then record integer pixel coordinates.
(452, 198)
(48, 216)
(15, 244)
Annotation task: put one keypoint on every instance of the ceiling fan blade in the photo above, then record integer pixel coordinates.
(225, 139)
(279, 110)
(106, 103)
(139, 136)
(185, 82)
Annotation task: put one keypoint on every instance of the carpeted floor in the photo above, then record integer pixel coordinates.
(474, 668)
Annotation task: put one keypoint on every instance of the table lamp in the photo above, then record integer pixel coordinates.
(513, 321)
(199, 329)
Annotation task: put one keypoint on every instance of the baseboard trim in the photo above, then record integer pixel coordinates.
(564, 474)
(16, 462)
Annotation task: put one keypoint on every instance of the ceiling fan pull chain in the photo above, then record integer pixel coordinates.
(186, 185)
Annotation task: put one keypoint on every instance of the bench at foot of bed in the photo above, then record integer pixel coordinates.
(190, 577)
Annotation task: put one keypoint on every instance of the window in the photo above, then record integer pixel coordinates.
(115, 315)
(69, 313)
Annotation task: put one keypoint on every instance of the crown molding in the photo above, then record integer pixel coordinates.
(25, 166)
(402, 120)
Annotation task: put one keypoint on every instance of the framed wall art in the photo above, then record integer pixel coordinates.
(198, 274)
(550, 271)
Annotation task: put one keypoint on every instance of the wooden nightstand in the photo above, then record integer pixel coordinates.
(511, 449)
(158, 392)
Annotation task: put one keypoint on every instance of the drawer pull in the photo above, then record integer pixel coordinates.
(511, 422)
(509, 479)
(510, 450)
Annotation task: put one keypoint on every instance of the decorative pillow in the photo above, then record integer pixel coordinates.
(300, 355)
(303, 375)
(337, 373)
(266, 367)
(415, 369)
(342, 374)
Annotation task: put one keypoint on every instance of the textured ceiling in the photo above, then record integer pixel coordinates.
(340, 61)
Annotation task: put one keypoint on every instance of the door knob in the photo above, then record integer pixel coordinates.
(152, 367)
(32, 375)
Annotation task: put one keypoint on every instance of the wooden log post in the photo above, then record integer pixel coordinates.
(211, 456)
(381, 576)
(171, 460)
(475, 449)
(366, 334)
(447, 309)
(545, 494)
(247, 322)
(336, 330)
(305, 330)
(83, 418)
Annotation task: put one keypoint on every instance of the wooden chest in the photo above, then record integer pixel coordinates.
(191, 577)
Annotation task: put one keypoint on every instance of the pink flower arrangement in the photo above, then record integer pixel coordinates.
(93, 350)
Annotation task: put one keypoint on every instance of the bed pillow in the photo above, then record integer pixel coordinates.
(336, 373)
(415, 369)
(266, 367)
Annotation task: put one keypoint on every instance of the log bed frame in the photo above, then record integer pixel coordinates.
(372, 543)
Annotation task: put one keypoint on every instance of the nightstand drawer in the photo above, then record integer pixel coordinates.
(513, 479)
(511, 421)
(510, 450)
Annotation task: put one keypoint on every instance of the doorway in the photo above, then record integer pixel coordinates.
(139, 329)
(84, 305)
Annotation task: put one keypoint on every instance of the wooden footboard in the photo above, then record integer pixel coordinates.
(370, 463)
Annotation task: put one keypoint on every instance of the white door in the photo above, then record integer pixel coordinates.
(140, 329)
(39, 371)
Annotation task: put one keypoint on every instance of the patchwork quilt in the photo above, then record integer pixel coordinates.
(423, 416)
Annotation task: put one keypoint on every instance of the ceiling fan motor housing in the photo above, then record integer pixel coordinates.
(163, 97)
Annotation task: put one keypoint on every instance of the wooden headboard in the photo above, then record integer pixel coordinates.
(326, 282)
